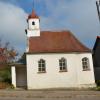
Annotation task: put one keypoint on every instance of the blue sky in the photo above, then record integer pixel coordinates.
(78, 16)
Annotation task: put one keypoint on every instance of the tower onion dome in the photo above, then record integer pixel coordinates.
(33, 15)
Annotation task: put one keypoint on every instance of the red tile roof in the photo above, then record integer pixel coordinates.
(98, 37)
(33, 15)
(56, 42)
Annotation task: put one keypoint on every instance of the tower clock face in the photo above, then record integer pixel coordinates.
(33, 23)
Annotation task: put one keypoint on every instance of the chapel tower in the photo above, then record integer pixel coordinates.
(33, 29)
(33, 25)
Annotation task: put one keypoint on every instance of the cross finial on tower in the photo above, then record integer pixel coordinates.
(33, 14)
(33, 4)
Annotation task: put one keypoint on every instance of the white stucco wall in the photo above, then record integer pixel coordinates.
(34, 33)
(74, 77)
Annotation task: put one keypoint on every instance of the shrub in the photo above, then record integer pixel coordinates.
(98, 82)
(98, 88)
(5, 75)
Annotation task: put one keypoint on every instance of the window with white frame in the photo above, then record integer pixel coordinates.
(62, 65)
(85, 64)
(41, 66)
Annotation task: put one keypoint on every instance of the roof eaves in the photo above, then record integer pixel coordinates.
(76, 52)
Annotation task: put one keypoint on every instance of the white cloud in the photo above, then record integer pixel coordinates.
(12, 25)
(79, 16)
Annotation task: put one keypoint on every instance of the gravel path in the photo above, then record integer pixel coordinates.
(49, 95)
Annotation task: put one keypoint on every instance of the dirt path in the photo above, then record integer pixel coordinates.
(49, 95)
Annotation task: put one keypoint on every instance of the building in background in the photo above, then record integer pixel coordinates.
(96, 58)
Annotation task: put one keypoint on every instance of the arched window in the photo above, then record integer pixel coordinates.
(33, 23)
(62, 64)
(85, 63)
(41, 66)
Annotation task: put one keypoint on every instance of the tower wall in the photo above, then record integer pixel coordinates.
(35, 22)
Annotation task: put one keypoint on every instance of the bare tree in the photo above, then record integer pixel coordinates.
(7, 53)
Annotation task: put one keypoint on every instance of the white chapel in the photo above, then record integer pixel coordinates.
(54, 59)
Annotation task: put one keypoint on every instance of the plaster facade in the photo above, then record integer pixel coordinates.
(74, 77)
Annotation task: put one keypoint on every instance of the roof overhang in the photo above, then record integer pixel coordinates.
(58, 52)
